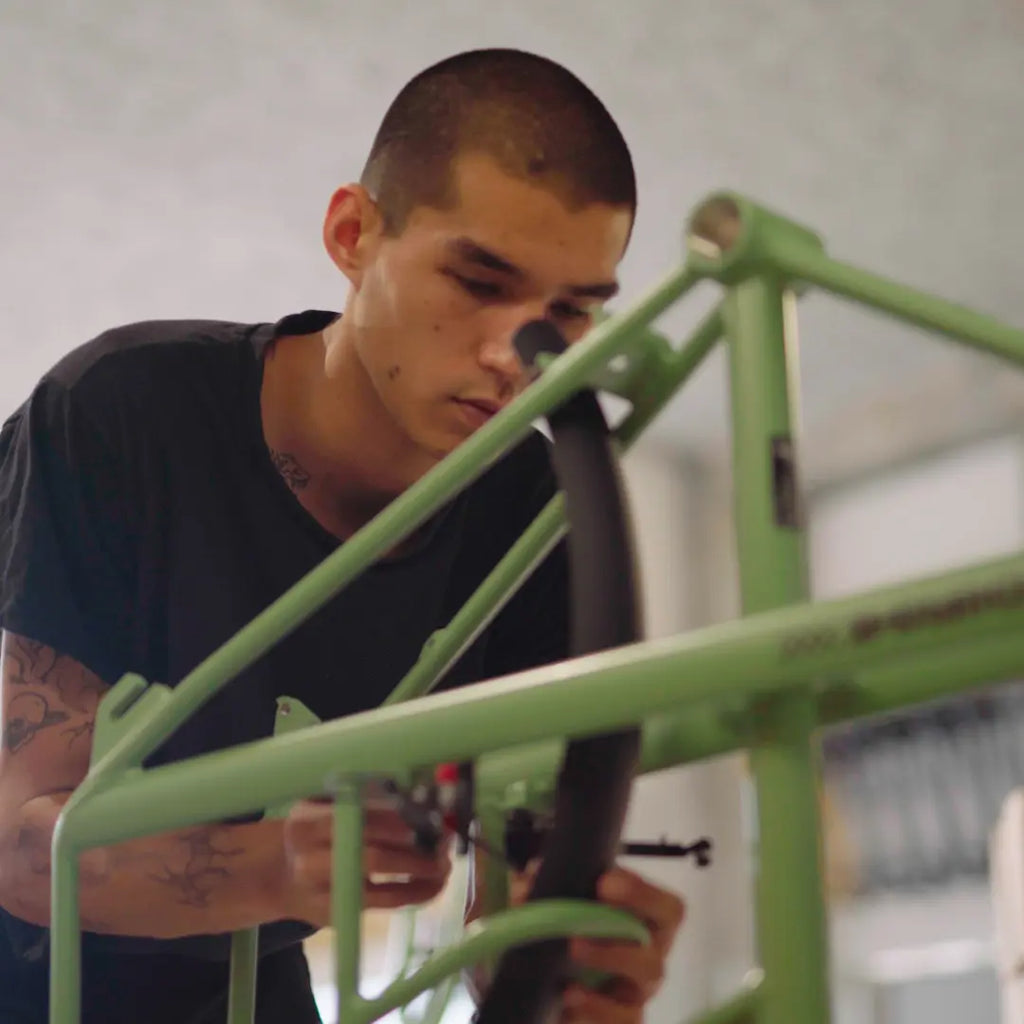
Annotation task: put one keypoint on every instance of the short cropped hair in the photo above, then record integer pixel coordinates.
(537, 120)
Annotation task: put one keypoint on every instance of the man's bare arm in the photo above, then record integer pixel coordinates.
(202, 880)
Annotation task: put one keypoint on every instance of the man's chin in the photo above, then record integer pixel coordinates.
(436, 448)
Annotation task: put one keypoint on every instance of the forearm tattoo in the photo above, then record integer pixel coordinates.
(46, 690)
(49, 690)
(200, 868)
(294, 474)
(190, 866)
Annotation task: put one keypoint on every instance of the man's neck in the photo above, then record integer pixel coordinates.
(330, 438)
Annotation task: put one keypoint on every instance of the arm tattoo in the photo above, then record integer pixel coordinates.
(27, 662)
(28, 714)
(32, 664)
(295, 475)
(83, 731)
(203, 867)
(49, 689)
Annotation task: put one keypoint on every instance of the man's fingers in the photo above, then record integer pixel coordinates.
(521, 882)
(584, 1006)
(638, 970)
(308, 822)
(662, 911)
(392, 895)
(311, 822)
(379, 860)
(312, 867)
(386, 825)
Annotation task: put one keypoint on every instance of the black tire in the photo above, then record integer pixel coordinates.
(596, 776)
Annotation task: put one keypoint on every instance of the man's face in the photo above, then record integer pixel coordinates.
(434, 310)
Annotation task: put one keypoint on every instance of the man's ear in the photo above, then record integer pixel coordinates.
(352, 227)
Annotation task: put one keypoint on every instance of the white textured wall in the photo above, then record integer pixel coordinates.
(961, 507)
(674, 505)
(174, 159)
(949, 510)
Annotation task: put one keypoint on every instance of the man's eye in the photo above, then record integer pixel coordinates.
(568, 311)
(479, 289)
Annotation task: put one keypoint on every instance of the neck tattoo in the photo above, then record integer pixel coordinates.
(294, 474)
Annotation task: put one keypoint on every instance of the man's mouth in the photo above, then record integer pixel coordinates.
(485, 405)
(478, 411)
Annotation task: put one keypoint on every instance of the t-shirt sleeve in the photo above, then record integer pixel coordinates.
(65, 565)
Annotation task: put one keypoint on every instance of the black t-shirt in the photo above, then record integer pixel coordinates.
(143, 523)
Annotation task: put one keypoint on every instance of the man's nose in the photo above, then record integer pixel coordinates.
(499, 355)
(498, 351)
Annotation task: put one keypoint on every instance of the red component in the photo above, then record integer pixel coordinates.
(446, 776)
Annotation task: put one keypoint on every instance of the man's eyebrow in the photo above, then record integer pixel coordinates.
(472, 252)
(604, 290)
(468, 250)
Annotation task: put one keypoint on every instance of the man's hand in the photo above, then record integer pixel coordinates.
(395, 872)
(637, 971)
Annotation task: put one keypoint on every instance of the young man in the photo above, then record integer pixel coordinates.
(168, 480)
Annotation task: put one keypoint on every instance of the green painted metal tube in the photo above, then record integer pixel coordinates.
(708, 731)
(452, 925)
(898, 682)
(769, 520)
(65, 940)
(741, 1009)
(488, 940)
(398, 520)
(705, 731)
(473, 617)
(524, 775)
(791, 919)
(347, 894)
(728, 662)
(666, 370)
(731, 238)
(447, 645)
(242, 976)
(784, 658)
(908, 304)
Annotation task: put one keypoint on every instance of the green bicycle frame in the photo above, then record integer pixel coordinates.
(763, 683)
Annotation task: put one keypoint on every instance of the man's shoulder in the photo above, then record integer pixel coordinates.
(142, 346)
(143, 372)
